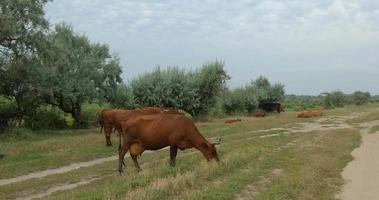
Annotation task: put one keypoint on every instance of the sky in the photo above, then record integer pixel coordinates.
(309, 46)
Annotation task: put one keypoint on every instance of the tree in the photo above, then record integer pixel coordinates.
(335, 99)
(122, 97)
(22, 31)
(246, 99)
(361, 98)
(192, 91)
(76, 70)
(209, 82)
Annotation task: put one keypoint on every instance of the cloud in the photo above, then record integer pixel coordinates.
(259, 37)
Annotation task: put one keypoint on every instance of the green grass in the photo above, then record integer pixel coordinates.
(44, 151)
(309, 163)
(312, 170)
(27, 151)
(372, 116)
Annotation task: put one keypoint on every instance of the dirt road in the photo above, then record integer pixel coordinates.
(362, 174)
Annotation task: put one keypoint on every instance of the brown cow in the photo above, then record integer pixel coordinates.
(305, 114)
(112, 118)
(230, 121)
(153, 132)
(258, 113)
(309, 114)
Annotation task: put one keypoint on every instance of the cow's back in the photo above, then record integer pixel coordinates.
(160, 130)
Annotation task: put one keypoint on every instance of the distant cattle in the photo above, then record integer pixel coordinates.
(230, 121)
(110, 119)
(271, 107)
(258, 113)
(309, 114)
(153, 132)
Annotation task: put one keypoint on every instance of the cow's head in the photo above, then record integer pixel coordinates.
(209, 151)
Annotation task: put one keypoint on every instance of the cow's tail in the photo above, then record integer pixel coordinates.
(100, 120)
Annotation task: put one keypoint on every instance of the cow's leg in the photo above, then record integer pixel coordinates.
(173, 153)
(121, 155)
(134, 157)
(119, 140)
(108, 132)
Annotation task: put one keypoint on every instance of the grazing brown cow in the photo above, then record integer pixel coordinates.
(153, 132)
(112, 118)
(258, 113)
(230, 121)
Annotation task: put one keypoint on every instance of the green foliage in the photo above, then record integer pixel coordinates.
(46, 117)
(360, 97)
(122, 97)
(22, 26)
(193, 91)
(241, 100)
(335, 99)
(302, 102)
(22, 30)
(77, 70)
(246, 99)
(8, 110)
(267, 92)
(209, 82)
(89, 113)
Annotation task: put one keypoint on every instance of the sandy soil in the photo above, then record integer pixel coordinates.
(362, 174)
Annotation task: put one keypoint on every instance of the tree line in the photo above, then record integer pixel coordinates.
(48, 72)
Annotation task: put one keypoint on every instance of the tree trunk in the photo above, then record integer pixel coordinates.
(76, 114)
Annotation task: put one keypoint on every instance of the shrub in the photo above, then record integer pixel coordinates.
(335, 99)
(123, 97)
(46, 117)
(246, 99)
(302, 102)
(8, 110)
(192, 91)
(360, 97)
(89, 114)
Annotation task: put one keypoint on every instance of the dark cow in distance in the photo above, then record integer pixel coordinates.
(271, 107)
(110, 119)
(153, 132)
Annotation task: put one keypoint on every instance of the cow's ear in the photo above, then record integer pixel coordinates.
(204, 145)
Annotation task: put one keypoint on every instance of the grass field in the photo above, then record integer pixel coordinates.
(271, 158)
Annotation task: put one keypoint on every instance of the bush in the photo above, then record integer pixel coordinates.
(8, 111)
(361, 98)
(302, 102)
(246, 99)
(192, 91)
(89, 113)
(335, 99)
(46, 117)
(123, 97)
